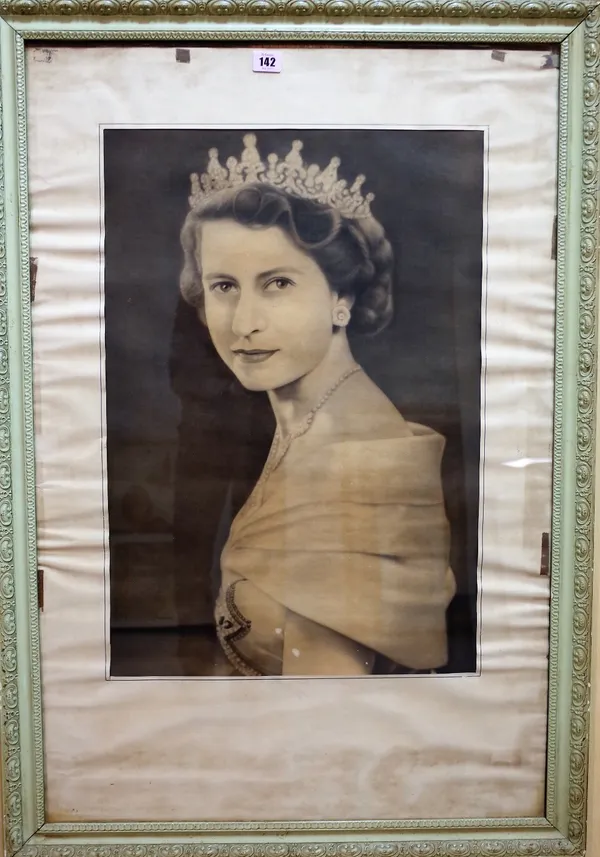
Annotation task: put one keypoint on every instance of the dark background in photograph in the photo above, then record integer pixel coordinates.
(186, 442)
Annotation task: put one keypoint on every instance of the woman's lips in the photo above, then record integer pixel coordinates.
(254, 355)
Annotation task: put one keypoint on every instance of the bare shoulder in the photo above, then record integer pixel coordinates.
(359, 410)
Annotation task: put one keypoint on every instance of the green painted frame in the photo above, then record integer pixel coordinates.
(573, 26)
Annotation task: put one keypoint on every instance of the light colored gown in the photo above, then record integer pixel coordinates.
(342, 550)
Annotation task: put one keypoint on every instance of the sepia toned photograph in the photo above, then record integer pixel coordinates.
(294, 417)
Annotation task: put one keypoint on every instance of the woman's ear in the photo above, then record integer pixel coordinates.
(347, 301)
(341, 314)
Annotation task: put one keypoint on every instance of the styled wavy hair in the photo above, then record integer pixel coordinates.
(354, 255)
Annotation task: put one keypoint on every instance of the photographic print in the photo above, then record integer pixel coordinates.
(294, 364)
(293, 335)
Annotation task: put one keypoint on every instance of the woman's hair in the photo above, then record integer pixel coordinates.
(354, 255)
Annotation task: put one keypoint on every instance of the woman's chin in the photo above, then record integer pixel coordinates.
(258, 381)
(254, 385)
(251, 380)
(267, 374)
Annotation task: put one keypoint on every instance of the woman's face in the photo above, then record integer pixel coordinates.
(268, 305)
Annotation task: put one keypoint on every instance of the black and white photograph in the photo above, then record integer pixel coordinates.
(293, 399)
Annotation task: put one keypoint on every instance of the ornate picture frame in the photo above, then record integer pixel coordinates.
(572, 29)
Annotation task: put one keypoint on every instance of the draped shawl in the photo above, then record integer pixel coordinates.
(353, 535)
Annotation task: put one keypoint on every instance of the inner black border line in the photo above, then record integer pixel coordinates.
(477, 673)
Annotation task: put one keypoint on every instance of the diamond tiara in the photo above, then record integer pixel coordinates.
(290, 174)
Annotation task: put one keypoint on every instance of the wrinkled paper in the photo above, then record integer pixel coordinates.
(375, 748)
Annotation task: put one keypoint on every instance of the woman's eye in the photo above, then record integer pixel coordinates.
(278, 284)
(222, 287)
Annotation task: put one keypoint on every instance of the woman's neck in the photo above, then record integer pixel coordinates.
(292, 404)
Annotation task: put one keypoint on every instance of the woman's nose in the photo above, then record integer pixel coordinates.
(248, 317)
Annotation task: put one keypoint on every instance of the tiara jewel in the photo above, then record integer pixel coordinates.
(290, 174)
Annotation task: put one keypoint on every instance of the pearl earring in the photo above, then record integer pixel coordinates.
(341, 316)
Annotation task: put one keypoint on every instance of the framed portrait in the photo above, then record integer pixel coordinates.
(298, 426)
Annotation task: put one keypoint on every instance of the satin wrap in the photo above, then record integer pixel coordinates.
(354, 536)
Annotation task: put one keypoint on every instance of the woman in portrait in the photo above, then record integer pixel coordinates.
(340, 556)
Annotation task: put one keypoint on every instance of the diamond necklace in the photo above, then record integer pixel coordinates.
(280, 448)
